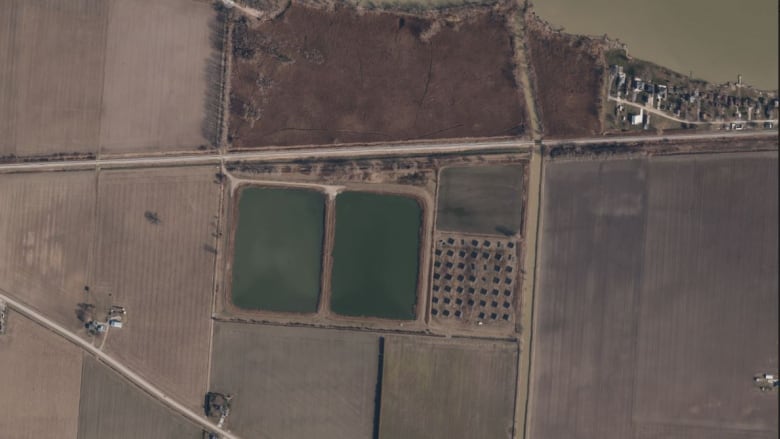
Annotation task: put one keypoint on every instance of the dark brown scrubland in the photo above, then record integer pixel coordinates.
(568, 74)
(313, 76)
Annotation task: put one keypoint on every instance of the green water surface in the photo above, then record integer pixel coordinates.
(375, 257)
(278, 249)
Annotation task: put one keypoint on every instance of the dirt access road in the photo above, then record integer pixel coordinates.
(677, 119)
(396, 150)
(116, 365)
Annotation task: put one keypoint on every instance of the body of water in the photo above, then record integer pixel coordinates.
(376, 255)
(278, 249)
(714, 39)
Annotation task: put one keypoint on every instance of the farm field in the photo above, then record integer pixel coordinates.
(162, 273)
(296, 382)
(161, 66)
(46, 234)
(40, 382)
(112, 407)
(145, 76)
(659, 280)
(481, 199)
(376, 255)
(444, 389)
(721, 292)
(318, 77)
(568, 72)
(278, 249)
(48, 103)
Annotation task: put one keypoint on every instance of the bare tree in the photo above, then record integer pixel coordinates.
(152, 217)
(84, 312)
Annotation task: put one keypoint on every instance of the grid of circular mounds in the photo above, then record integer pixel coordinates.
(474, 279)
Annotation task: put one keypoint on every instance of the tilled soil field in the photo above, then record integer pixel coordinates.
(87, 77)
(112, 407)
(658, 299)
(160, 270)
(51, 72)
(316, 77)
(46, 235)
(40, 379)
(447, 389)
(296, 382)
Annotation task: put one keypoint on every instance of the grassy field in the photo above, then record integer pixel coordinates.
(658, 299)
(40, 375)
(317, 76)
(162, 273)
(481, 199)
(376, 255)
(112, 407)
(118, 76)
(278, 249)
(443, 389)
(46, 235)
(296, 382)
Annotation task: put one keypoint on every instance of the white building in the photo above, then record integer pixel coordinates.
(636, 119)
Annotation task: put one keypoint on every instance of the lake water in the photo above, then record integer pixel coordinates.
(715, 39)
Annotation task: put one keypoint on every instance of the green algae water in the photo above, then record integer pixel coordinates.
(278, 249)
(376, 255)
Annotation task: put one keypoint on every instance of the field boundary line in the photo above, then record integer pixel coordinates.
(216, 276)
(328, 244)
(99, 146)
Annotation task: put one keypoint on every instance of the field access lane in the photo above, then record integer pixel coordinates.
(326, 152)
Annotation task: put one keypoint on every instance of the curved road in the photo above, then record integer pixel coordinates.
(116, 365)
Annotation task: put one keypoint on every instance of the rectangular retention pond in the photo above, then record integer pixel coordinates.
(278, 249)
(376, 255)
